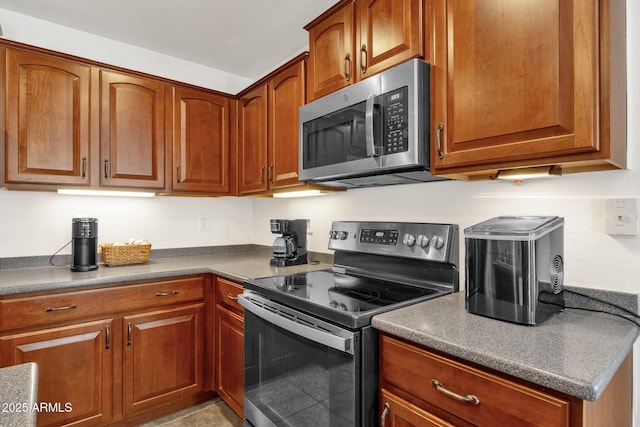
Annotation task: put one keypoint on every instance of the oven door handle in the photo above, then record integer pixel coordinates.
(342, 343)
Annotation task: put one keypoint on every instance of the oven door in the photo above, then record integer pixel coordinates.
(298, 370)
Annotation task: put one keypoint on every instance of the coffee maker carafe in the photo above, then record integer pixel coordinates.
(84, 244)
(291, 247)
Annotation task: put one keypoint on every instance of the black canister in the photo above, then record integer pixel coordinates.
(84, 244)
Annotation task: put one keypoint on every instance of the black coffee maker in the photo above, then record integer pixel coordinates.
(291, 247)
(84, 244)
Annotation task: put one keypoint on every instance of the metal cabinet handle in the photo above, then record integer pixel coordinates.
(178, 174)
(166, 293)
(270, 173)
(347, 61)
(64, 308)
(261, 174)
(107, 337)
(439, 140)
(84, 167)
(232, 297)
(129, 333)
(385, 412)
(363, 58)
(469, 398)
(106, 169)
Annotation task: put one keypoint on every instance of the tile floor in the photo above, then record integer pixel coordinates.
(214, 413)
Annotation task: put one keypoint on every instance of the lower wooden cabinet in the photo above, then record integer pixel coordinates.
(422, 387)
(118, 355)
(229, 345)
(75, 365)
(397, 412)
(163, 356)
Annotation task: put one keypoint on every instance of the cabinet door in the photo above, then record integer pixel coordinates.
(163, 356)
(229, 358)
(390, 33)
(75, 369)
(514, 81)
(252, 141)
(331, 53)
(200, 141)
(47, 120)
(286, 96)
(132, 131)
(397, 412)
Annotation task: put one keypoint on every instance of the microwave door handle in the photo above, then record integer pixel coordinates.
(369, 123)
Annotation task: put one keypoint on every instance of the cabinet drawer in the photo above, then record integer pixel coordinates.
(502, 402)
(38, 310)
(227, 294)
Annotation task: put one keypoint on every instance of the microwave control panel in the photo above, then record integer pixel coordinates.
(395, 107)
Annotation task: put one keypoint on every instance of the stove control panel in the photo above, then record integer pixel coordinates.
(426, 241)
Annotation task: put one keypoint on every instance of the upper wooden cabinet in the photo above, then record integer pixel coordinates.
(527, 83)
(286, 93)
(200, 141)
(268, 130)
(73, 123)
(355, 39)
(47, 119)
(132, 131)
(252, 141)
(390, 32)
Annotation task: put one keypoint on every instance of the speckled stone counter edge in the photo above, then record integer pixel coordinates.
(19, 391)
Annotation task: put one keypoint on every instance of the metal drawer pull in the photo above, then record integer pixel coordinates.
(66, 307)
(469, 398)
(347, 60)
(166, 294)
(439, 140)
(230, 296)
(129, 333)
(107, 337)
(385, 412)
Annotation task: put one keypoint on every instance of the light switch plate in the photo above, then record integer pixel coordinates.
(621, 217)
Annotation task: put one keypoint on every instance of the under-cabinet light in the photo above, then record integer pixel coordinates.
(528, 173)
(103, 193)
(302, 193)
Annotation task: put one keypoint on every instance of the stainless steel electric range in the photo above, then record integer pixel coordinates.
(310, 355)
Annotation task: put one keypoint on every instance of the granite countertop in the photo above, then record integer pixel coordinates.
(18, 395)
(574, 352)
(234, 265)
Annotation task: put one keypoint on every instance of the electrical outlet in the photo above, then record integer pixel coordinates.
(621, 217)
(203, 222)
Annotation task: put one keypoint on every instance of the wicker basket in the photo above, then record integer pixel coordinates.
(123, 255)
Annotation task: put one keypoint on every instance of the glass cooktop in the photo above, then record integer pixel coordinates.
(347, 299)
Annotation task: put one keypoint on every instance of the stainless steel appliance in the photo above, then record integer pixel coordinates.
(514, 268)
(311, 355)
(84, 244)
(374, 132)
(291, 247)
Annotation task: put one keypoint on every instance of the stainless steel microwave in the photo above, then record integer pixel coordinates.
(374, 132)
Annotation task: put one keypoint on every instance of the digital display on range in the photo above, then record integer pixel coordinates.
(379, 237)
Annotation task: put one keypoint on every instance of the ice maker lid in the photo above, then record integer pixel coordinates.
(514, 227)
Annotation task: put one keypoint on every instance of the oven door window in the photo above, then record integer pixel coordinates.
(335, 138)
(296, 381)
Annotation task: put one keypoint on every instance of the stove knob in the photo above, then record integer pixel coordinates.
(409, 239)
(422, 240)
(437, 242)
(342, 235)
